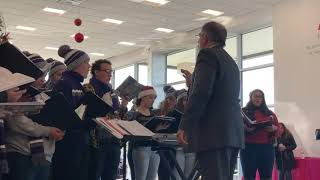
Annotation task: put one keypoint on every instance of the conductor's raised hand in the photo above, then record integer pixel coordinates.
(188, 76)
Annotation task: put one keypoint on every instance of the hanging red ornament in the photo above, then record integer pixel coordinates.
(78, 22)
(78, 37)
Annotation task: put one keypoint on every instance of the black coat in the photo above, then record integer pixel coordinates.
(212, 118)
(285, 160)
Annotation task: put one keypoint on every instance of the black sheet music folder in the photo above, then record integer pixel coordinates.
(14, 60)
(96, 107)
(157, 120)
(58, 113)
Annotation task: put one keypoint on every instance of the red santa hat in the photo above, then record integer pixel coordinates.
(146, 91)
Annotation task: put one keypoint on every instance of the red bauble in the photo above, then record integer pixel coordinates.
(77, 22)
(79, 37)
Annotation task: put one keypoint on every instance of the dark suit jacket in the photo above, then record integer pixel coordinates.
(212, 117)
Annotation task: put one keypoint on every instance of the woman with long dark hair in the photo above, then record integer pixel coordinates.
(259, 150)
(284, 156)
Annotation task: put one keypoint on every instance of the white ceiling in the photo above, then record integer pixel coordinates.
(140, 22)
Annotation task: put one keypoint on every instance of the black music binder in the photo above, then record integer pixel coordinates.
(96, 107)
(129, 88)
(58, 113)
(257, 124)
(157, 120)
(14, 60)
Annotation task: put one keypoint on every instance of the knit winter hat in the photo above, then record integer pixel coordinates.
(146, 91)
(38, 61)
(169, 91)
(72, 57)
(181, 94)
(56, 66)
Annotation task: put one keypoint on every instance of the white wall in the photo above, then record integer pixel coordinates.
(297, 69)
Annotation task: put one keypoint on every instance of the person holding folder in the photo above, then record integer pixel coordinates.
(105, 150)
(70, 160)
(30, 145)
(11, 95)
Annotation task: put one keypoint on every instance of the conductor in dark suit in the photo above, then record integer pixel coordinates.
(212, 126)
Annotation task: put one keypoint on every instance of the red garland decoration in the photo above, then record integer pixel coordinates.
(78, 22)
(79, 37)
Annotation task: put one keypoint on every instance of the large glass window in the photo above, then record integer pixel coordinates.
(231, 47)
(179, 86)
(257, 64)
(257, 41)
(173, 75)
(143, 74)
(258, 79)
(184, 59)
(122, 74)
(257, 61)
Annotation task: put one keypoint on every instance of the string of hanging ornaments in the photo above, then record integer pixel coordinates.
(78, 37)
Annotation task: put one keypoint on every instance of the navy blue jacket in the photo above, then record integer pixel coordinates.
(76, 139)
(101, 89)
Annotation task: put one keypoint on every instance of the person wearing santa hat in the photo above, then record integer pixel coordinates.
(145, 161)
(70, 160)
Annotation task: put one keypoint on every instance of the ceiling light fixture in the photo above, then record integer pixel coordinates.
(51, 48)
(113, 21)
(212, 12)
(25, 28)
(97, 54)
(164, 30)
(52, 10)
(85, 37)
(161, 2)
(126, 43)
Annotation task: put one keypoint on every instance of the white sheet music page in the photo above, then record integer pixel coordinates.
(103, 122)
(135, 128)
(9, 80)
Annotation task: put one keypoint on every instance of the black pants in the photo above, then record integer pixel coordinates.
(257, 157)
(285, 175)
(130, 162)
(104, 162)
(218, 164)
(163, 173)
(70, 160)
(19, 165)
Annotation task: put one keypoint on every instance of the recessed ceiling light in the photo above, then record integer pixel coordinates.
(212, 12)
(85, 37)
(114, 21)
(201, 19)
(97, 54)
(161, 2)
(137, 1)
(25, 28)
(126, 43)
(51, 48)
(164, 30)
(52, 10)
